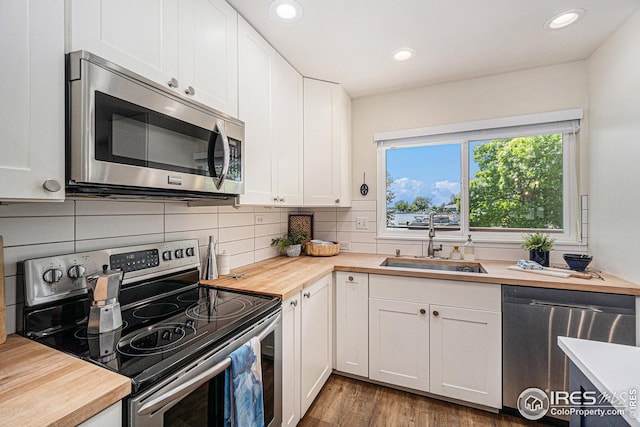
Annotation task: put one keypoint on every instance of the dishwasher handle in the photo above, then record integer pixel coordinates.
(556, 305)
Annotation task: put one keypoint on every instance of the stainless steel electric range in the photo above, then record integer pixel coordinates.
(175, 335)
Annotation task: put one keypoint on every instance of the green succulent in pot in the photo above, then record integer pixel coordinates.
(291, 244)
(538, 245)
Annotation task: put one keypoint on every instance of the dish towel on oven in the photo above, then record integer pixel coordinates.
(244, 405)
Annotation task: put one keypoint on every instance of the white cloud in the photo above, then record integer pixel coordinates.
(408, 189)
(442, 191)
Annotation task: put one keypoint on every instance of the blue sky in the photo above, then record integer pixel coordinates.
(429, 171)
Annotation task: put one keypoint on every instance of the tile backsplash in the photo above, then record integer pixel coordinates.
(33, 230)
(44, 229)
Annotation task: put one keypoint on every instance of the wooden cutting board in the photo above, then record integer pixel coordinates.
(3, 311)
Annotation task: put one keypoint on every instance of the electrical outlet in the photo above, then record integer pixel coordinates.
(259, 219)
(345, 246)
(362, 223)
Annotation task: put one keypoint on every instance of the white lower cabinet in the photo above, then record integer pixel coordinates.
(438, 336)
(109, 417)
(291, 360)
(466, 356)
(306, 348)
(352, 323)
(399, 340)
(316, 355)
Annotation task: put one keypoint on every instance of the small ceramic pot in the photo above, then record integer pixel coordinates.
(541, 257)
(294, 250)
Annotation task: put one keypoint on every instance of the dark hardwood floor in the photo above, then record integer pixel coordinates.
(348, 402)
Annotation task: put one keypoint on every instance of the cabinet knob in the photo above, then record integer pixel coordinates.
(294, 303)
(190, 91)
(436, 313)
(307, 294)
(51, 185)
(282, 200)
(173, 82)
(275, 199)
(423, 311)
(337, 201)
(351, 278)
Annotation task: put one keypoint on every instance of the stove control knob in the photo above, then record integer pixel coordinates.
(166, 256)
(76, 271)
(52, 276)
(191, 251)
(179, 253)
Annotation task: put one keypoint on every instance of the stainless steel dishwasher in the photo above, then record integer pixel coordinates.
(532, 320)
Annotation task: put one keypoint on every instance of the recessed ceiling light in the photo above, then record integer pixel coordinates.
(403, 53)
(286, 10)
(564, 19)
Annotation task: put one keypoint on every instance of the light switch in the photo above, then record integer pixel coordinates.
(362, 223)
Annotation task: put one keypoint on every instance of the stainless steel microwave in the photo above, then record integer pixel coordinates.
(128, 136)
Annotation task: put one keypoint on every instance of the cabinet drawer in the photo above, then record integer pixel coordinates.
(481, 296)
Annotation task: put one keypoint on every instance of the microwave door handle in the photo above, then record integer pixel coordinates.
(219, 180)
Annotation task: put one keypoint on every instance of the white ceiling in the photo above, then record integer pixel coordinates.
(351, 41)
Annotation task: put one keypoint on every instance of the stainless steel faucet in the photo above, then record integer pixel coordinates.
(431, 251)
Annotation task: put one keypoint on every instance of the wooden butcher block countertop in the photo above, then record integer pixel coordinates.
(284, 277)
(40, 386)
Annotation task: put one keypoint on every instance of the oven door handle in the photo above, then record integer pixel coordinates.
(184, 389)
(195, 382)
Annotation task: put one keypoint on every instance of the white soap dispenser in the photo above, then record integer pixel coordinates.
(469, 250)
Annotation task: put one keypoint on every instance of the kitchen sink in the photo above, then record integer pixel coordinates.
(434, 264)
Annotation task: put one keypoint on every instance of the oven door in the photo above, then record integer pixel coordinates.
(125, 133)
(195, 395)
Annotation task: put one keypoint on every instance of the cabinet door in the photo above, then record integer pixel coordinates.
(352, 323)
(321, 144)
(291, 361)
(466, 354)
(140, 35)
(32, 106)
(288, 133)
(208, 45)
(316, 354)
(255, 66)
(399, 343)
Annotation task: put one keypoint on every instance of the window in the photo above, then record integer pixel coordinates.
(490, 181)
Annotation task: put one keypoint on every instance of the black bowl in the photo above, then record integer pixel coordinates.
(577, 262)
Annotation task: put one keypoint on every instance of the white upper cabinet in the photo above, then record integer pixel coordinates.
(256, 62)
(140, 35)
(208, 58)
(327, 144)
(288, 134)
(270, 104)
(190, 46)
(32, 106)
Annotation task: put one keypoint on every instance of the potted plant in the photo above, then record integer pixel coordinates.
(290, 243)
(538, 245)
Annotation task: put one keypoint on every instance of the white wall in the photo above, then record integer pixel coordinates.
(614, 116)
(44, 229)
(536, 90)
(530, 91)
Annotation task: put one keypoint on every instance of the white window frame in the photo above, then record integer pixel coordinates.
(566, 122)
